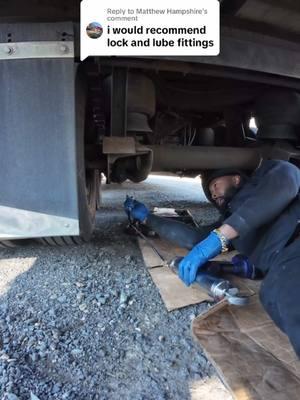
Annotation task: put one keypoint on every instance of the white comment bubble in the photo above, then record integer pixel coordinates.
(125, 28)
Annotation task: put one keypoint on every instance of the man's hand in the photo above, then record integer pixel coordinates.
(198, 256)
(135, 210)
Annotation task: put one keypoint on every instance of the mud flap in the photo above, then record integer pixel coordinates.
(38, 164)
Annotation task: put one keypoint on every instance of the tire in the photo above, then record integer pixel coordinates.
(88, 180)
(7, 244)
(11, 244)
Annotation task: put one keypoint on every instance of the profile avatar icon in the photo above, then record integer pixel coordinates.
(94, 30)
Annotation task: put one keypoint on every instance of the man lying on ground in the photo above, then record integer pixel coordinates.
(260, 218)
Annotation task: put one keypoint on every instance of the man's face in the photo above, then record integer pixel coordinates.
(222, 189)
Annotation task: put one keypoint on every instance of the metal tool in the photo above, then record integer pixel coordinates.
(239, 266)
(217, 288)
(148, 241)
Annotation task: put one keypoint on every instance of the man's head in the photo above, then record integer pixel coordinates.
(223, 188)
(221, 185)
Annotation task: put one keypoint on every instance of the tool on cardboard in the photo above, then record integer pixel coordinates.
(149, 242)
(218, 288)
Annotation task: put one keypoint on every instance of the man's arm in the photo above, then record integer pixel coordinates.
(272, 193)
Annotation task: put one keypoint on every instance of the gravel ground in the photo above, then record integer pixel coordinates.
(88, 323)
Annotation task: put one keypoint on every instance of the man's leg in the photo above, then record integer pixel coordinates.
(280, 293)
(177, 232)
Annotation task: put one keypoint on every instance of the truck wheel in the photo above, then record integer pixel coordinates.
(88, 180)
(88, 201)
(9, 244)
(89, 192)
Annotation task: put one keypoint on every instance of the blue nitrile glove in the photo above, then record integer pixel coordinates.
(198, 256)
(135, 210)
(243, 267)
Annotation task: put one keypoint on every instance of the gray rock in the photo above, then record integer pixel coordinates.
(34, 357)
(101, 300)
(62, 299)
(56, 388)
(11, 396)
(83, 307)
(76, 352)
(33, 396)
(42, 346)
(80, 296)
(9, 387)
(123, 298)
(80, 284)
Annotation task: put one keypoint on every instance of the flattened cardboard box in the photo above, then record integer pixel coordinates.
(173, 292)
(252, 356)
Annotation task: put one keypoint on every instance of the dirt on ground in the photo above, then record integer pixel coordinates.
(87, 322)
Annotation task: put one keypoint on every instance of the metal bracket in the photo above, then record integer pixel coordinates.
(280, 150)
(46, 49)
(119, 145)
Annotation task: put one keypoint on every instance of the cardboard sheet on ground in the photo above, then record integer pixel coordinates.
(173, 292)
(253, 357)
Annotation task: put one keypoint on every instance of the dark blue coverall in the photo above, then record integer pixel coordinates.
(266, 214)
